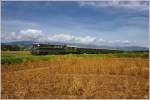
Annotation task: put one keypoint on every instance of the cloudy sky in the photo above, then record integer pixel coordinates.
(100, 22)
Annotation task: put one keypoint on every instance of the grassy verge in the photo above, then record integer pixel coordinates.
(18, 56)
(11, 57)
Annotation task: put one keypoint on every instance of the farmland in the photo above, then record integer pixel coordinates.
(75, 76)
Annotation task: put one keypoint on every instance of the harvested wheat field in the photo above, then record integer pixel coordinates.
(77, 77)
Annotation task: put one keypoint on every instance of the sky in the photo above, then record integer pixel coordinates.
(113, 23)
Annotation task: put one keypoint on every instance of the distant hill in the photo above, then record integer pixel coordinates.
(16, 46)
(28, 44)
(19, 43)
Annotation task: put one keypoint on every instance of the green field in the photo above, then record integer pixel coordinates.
(20, 56)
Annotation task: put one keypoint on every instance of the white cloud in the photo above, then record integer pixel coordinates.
(38, 35)
(85, 39)
(101, 40)
(136, 5)
(122, 42)
(61, 37)
(28, 31)
(30, 34)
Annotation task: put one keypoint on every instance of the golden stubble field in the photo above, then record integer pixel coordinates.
(77, 77)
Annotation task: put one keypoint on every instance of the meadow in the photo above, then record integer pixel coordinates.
(75, 76)
(11, 57)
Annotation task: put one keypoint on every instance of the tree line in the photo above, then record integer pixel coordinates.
(7, 47)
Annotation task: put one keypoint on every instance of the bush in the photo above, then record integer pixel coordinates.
(10, 60)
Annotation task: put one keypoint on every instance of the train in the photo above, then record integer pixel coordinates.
(45, 49)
